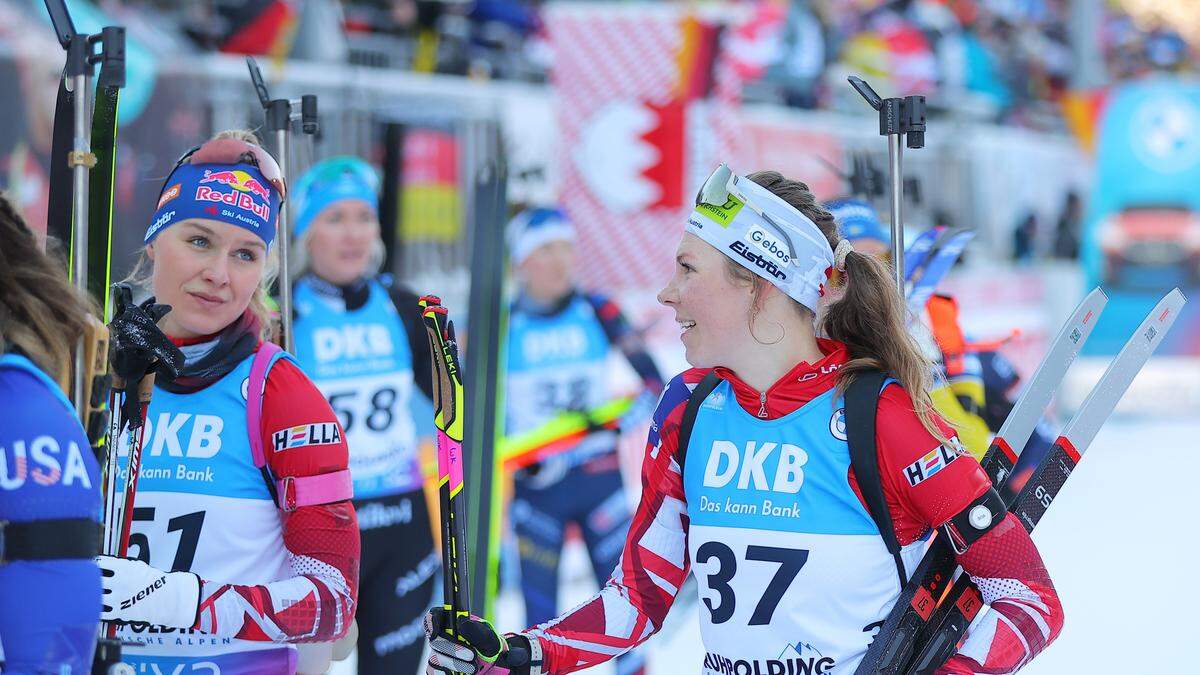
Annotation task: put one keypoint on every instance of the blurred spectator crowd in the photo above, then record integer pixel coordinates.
(1004, 60)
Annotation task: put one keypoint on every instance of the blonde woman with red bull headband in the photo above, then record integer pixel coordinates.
(751, 486)
(361, 339)
(243, 538)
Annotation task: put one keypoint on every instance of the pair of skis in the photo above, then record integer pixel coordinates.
(448, 400)
(935, 608)
(84, 201)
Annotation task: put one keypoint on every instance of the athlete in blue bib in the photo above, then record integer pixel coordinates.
(49, 478)
(243, 540)
(559, 343)
(749, 482)
(356, 336)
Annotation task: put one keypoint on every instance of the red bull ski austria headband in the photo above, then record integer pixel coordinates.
(764, 234)
(226, 180)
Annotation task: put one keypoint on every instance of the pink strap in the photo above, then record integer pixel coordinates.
(293, 491)
(263, 359)
(325, 488)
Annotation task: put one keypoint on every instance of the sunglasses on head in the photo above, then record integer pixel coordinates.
(234, 151)
(723, 184)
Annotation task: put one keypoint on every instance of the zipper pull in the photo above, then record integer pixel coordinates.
(762, 405)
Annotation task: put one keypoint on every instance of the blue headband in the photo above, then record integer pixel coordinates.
(230, 193)
(330, 181)
(857, 220)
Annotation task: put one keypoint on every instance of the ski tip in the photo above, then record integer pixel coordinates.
(1168, 308)
(1169, 305)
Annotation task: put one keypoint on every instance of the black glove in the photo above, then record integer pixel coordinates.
(137, 346)
(478, 649)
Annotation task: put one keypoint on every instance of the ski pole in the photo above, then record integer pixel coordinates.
(281, 112)
(118, 503)
(77, 73)
(897, 117)
(448, 417)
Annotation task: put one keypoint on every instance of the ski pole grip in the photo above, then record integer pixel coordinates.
(913, 123)
(279, 112)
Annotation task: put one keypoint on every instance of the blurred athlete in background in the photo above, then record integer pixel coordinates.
(980, 383)
(362, 341)
(559, 342)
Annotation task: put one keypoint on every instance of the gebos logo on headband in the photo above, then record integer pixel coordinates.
(769, 244)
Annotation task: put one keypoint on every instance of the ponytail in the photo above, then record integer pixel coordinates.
(870, 318)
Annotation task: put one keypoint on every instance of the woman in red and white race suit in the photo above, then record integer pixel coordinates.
(792, 570)
(232, 559)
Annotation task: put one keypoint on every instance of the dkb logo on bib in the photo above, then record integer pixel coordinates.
(727, 460)
(352, 342)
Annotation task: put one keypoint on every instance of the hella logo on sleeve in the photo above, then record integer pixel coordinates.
(928, 466)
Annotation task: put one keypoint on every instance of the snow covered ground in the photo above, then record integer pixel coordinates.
(1122, 543)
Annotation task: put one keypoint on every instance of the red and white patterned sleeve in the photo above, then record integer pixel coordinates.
(318, 602)
(635, 600)
(1024, 614)
(923, 491)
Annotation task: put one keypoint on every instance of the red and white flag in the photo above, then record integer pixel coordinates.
(646, 107)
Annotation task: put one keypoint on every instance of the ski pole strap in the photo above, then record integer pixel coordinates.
(290, 492)
(55, 539)
(861, 403)
(695, 400)
(266, 356)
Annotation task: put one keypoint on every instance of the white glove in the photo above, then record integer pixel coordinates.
(135, 591)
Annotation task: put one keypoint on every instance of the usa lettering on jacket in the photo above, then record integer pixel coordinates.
(51, 464)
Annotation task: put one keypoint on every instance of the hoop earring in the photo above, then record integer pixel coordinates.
(782, 332)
